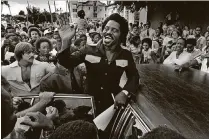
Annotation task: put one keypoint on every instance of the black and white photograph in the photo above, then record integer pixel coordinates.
(90, 69)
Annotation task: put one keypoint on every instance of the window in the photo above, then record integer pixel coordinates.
(74, 10)
(89, 8)
(100, 9)
(95, 14)
(95, 9)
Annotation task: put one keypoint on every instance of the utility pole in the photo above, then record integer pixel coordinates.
(50, 13)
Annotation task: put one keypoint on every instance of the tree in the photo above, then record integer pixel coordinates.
(21, 12)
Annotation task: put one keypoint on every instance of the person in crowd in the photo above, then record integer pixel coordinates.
(162, 133)
(34, 34)
(185, 32)
(57, 37)
(96, 37)
(102, 60)
(82, 23)
(10, 29)
(175, 35)
(165, 28)
(84, 38)
(24, 36)
(48, 34)
(25, 73)
(78, 129)
(148, 32)
(7, 50)
(43, 48)
(202, 59)
(159, 36)
(147, 50)
(179, 56)
(131, 34)
(190, 48)
(191, 34)
(201, 41)
(136, 49)
(207, 32)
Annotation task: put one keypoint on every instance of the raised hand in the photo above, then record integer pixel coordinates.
(46, 96)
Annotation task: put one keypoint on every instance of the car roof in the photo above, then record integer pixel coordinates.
(179, 100)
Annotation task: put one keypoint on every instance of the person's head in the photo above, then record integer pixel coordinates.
(147, 25)
(191, 32)
(190, 44)
(207, 41)
(135, 29)
(79, 43)
(198, 30)
(8, 118)
(24, 52)
(115, 29)
(146, 43)
(175, 34)
(162, 133)
(84, 38)
(81, 14)
(96, 37)
(25, 29)
(13, 38)
(24, 36)
(170, 30)
(135, 40)
(10, 29)
(77, 129)
(180, 45)
(165, 27)
(158, 31)
(57, 37)
(34, 33)
(43, 46)
(186, 27)
(48, 34)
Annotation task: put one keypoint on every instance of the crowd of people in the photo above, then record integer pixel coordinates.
(87, 57)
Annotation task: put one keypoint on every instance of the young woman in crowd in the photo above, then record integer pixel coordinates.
(147, 51)
(136, 49)
(43, 47)
(96, 37)
(34, 34)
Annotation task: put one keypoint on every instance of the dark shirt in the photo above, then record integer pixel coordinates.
(103, 78)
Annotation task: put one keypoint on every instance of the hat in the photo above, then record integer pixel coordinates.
(47, 32)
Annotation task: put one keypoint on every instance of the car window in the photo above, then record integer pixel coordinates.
(133, 129)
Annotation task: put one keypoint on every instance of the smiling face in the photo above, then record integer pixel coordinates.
(180, 45)
(111, 34)
(44, 48)
(34, 35)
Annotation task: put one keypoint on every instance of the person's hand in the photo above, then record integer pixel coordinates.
(46, 96)
(120, 100)
(17, 101)
(52, 113)
(67, 31)
(38, 120)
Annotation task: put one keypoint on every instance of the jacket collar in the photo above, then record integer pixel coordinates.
(15, 64)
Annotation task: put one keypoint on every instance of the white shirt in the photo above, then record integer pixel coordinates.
(182, 59)
(204, 64)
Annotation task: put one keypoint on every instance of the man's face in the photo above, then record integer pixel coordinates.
(111, 34)
(190, 48)
(34, 35)
(135, 30)
(96, 38)
(49, 35)
(14, 40)
(198, 31)
(165, 28)
(57, 38)
(145, 46)
(180, 45)
(44, 48)
(147, 26)
(28, 56)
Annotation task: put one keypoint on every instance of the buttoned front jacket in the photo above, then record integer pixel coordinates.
(104, 77)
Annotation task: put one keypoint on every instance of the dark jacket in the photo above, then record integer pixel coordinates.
(103, 78)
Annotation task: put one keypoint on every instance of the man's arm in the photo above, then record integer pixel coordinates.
(132, 76)
(45, 98)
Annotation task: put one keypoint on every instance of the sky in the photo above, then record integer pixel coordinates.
(17, 5)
